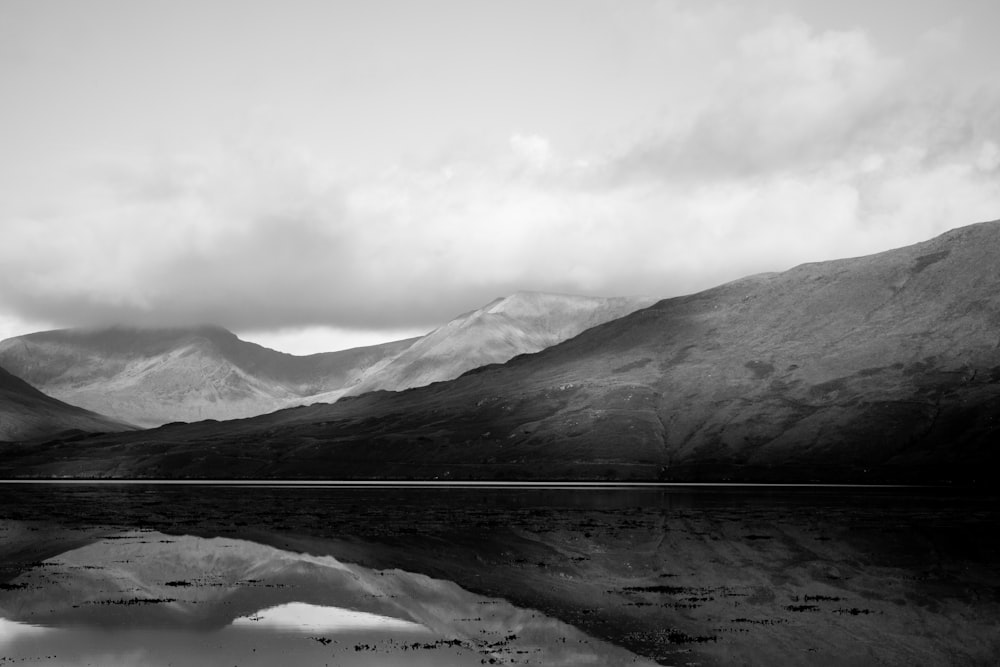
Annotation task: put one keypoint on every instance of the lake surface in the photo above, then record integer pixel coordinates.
(313, 574)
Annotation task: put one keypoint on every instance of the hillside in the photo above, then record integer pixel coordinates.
(26, 413)
(876, 368)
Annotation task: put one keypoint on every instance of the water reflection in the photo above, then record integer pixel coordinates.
(145, 597)
(303, 617)
(463, 576)
(228, 646)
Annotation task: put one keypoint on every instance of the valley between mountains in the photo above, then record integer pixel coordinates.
(871, 369)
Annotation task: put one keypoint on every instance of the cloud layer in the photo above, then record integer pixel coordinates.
(797, 145)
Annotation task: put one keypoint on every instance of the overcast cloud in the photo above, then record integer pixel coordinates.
(791, 143)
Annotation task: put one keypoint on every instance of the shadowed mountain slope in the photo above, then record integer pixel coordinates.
(26, 413)
(884, 367)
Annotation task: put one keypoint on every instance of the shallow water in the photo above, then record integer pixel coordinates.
(381, 575)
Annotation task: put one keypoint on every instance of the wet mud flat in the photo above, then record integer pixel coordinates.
(678, 575)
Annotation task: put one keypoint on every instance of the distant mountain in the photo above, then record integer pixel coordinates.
(522, 323)
(152, 377)
(876, 368)
(26, 413)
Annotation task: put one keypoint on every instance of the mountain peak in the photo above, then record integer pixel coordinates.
(521, 323)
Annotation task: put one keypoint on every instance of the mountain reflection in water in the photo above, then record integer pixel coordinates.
(464, 576)
(144, 597)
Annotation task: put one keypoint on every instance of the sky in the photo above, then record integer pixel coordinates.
(316, 175)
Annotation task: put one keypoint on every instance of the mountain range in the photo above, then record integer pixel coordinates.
(151, 377)
(877, 368)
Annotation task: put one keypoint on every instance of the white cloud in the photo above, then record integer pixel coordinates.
(531, 149)
(803, 145)
(989, 156)
(786, 98)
